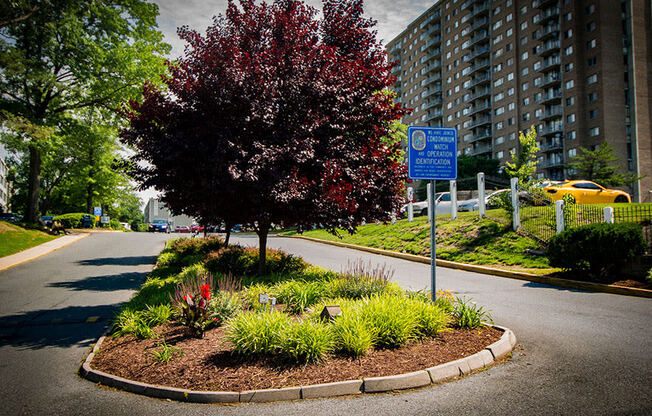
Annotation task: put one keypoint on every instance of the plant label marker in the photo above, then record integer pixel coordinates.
(432, 155)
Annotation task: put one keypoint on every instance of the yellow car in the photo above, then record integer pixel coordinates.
(586, 192)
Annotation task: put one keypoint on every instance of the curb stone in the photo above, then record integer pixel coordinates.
(437, 374)
(398, 382)
(551, 281)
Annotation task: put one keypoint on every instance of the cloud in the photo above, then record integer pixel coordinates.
(392, 16)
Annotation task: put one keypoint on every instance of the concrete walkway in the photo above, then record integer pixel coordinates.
(40, 250)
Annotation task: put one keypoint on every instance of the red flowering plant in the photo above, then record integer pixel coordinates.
(191, 303)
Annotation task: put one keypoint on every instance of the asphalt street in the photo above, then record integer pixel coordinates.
(578, 352)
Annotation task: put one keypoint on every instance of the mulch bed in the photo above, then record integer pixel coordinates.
(209, 364)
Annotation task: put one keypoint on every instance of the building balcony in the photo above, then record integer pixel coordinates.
(550, 31)
(550, 97)
(432, 18)
(434, 41)
(432, 67)
(480, 9)
(476, 53)
(434, 102)
(432, 115)
(479, 65)
(466, 4)
(481, 150)
(480, 121)
(542, 4)
(479, 80)
(548, 48)
(478, 24)
(434, 30)
(551, 79)
(433, 78)
(552, 129)
(552, 112)
(547, 15)
(396, 69)
(556, 162)
(555, 145)
(480, 93)
(481, 134)
(435, 89)
(478, 38)
(483, 106)
(549, 63)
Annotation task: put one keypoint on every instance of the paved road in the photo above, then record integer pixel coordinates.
(578, 352)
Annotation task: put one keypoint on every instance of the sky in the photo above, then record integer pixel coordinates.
(392, 18)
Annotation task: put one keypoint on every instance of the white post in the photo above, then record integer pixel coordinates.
(410, 208)
(609, 215)
(516, 218)
(481, 195)
(393, 218)
(559, 215)
(453, 188)
(430, 194)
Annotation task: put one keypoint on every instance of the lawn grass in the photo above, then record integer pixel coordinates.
(466, 240)
(14, 238)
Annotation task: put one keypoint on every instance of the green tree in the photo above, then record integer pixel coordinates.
(524, 164)
(601, 166)
(69, 55)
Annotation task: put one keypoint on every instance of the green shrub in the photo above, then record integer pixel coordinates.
(649, 277)
(257, 333)
(596, 248)
(222, 307)
(351, 335)
(467, 315)
(167, 259)
(132, 322)
(280, 262)
(166, 352)
(73, 220)
(390, 320)
(250, 295)
(361, 280)
(297, 295)
(306, 341)
(115, 224)
(430, 319)
(190, 302)
(239, 261)
(191, 272)
(157, 315)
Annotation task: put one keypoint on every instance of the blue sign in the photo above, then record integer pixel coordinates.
(97, 211)
(432, 153)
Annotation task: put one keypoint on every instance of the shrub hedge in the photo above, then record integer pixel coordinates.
(596, 248)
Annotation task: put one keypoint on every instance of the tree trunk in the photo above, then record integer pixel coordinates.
(33, 193)
(89, 188)
(262, 248)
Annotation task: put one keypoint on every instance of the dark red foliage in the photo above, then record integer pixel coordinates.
(274, 116)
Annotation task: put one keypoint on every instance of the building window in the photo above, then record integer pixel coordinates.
(591, 61)
(568, 50)
(572, 152)
(497, 25)
(524, 56)
(510, 121)
(499, 125)
(537, 81)
(568, 34)
(593, 114)
(498, 39)
(498, 82)
(570, 101)
(500, 110)
(568, 67)
(590, 27)
(510, 106)
(526, 116)
(570, 84)
(510, 76)
(525, 86)
(498, 68)
(595, 131)
(568, 17)
(499, 96)
(590, 44)
(523, 40)
(525, 71)
(524, 25)
(592, 79)
(500, 140)
(571, 135)
(508, 47)
(592, 97)
(570, 118)
(590, 9)
(510, 91)
(526, 101)
(500, 155)
(523, 9)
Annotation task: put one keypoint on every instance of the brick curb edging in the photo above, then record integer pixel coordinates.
(553, 281)
(434, 375)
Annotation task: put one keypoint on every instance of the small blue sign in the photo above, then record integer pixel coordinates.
(97, 211)
(432, 153)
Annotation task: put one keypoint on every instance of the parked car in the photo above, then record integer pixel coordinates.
(159, 226)
(197, 228)
(586, 192)
(442, 205)
(474, 205)
(10, 217)
(182, 229)
(47, 220)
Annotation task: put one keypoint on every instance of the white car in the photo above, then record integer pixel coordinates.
(442, 205)
(473, 205)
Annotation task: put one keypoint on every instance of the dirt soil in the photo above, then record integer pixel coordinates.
(209, 363)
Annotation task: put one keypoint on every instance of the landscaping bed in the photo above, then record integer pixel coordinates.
(210, 363)
(197, 323)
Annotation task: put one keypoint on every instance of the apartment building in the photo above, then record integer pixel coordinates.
(579, 71)
(157, 210)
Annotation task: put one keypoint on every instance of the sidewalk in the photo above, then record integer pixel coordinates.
(38, 251)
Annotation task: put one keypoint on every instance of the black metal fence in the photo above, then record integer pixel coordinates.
(539, 221)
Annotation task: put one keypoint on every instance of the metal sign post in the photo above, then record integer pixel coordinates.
(432, 155)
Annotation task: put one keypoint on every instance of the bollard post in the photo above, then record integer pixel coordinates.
(482, 209)
(559, 215)
(516, 217)
(410, 207)
(609, 215)
(453, 188)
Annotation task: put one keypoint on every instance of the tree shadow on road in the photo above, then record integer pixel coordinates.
(64, 327)
(119, 261)
(105, 283)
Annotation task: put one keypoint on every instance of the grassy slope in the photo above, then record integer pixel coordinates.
(466, 240)
(14, 238)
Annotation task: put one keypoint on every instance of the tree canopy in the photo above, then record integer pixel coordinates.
(60, 56)
(524, 165)
(601, 166)
(275, 116)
